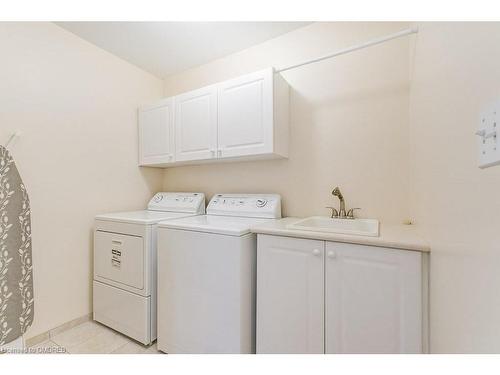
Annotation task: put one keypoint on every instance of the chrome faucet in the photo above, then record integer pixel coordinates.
(341, 213)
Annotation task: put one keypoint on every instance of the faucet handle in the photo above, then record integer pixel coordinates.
(335, 213)
(350, 213)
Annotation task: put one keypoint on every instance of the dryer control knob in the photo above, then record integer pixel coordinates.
(261, 202)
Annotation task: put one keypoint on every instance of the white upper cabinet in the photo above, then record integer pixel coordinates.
(290, 303)
(156, 133)
(373, 300)
(196, 124)
(246, 115)
(244, 118)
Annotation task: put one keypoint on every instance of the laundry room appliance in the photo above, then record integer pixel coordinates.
(207, 276)
(125, 263)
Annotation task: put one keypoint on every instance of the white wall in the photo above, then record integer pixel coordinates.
(349, 123)
(76, 106)
(350, 127)
(455, 74)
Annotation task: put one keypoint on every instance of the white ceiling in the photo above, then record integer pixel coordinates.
(165, 48)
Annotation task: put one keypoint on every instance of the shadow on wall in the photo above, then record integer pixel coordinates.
(152, 180)
(335, 139)
(91, 268)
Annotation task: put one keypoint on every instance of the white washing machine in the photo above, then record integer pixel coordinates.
(207, 276)
(125, 263)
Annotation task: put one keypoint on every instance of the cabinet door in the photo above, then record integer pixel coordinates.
(373, 300)
(156, 133)
(246, 115)
(290, 299)
(196, 124)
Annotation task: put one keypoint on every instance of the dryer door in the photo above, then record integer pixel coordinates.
(119, 258)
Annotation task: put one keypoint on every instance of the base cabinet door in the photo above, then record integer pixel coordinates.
(373, 299)
(290, 295)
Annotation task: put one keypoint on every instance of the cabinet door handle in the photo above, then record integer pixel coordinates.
(332, 255)
(316, 252)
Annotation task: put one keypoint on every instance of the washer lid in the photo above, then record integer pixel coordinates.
(142, 217)
(227, 225)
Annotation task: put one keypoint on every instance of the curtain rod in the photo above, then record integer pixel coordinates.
(370, 43)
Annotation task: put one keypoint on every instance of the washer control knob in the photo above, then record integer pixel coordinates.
(158, 198)
(261, 202)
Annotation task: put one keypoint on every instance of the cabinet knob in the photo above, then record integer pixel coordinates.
(219, 153)
(212, 152)
(332, 255)
(316, 252)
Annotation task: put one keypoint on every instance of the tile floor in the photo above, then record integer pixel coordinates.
(91, 338)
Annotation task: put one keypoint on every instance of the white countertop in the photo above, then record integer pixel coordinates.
(396, 236)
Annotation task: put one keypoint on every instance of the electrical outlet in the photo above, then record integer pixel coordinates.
(487, 140)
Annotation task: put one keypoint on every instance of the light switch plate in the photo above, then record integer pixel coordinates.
(487, 139)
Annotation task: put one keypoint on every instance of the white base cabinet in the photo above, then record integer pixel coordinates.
(290, 290)
(373, 299)
(328, 297)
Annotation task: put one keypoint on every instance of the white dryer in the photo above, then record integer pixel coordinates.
(124, 287)
(207, 276)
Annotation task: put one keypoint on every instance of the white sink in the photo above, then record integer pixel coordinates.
(356, 227)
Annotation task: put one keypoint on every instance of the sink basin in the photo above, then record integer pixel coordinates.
(356, 227)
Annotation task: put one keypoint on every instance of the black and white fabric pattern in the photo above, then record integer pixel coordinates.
(16, 268)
